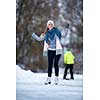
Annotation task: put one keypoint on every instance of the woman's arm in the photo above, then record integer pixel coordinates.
(59, 34)
(41, 38)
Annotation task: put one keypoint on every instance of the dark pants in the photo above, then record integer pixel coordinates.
(70, 67)
(53, 58)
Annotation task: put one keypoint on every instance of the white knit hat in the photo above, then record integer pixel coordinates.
(50, 22)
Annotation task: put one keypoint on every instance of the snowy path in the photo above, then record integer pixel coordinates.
(30, 86)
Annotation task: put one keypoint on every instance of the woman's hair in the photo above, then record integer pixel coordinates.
(46, 29)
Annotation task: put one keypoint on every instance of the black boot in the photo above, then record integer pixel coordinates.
(72, 78)
(66, 78)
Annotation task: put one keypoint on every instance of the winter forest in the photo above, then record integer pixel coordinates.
(32, 16)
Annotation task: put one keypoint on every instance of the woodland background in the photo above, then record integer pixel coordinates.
(32, 16)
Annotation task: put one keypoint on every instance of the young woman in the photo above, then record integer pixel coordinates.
(52, 47)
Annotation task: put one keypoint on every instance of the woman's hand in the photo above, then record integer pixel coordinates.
(42, 34)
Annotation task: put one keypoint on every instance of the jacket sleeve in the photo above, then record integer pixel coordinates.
(59, 34)
(41, 38)
(46, 38)
(73, 56)
(65, 59)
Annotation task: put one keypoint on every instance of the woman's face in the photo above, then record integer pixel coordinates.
(50, 26)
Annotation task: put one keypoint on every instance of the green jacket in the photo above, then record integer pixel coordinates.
(68, 58)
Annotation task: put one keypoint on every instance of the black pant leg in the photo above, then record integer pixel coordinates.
(66, 70)
(51, 55)
(71, 71)
(56, 61)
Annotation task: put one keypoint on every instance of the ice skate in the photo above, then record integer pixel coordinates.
(48, 81)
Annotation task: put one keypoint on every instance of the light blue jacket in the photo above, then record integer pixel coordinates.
(45, 49)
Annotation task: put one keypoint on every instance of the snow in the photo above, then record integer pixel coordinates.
(30, 86)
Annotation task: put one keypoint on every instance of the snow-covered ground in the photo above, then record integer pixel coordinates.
(30, 86)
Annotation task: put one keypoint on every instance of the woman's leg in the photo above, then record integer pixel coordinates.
(51, 55)
(57, 58)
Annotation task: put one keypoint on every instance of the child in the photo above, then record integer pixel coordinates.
(69, 62)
